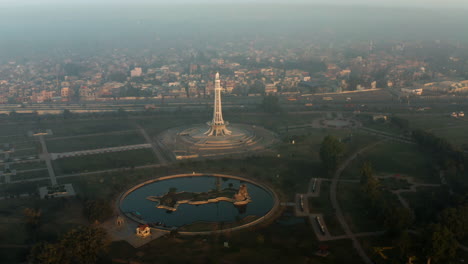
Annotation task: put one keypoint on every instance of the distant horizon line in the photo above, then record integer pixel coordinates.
(259, 4)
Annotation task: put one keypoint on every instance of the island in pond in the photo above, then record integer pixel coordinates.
(171, 200)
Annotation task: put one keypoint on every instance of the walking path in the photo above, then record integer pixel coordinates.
(337, 207)
(55, 156)
(321, 231)
(46, 156)
(413, 187)
(154, 146)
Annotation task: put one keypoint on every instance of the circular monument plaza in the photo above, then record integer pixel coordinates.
(193, 142)
(217, 137)
(199, 203)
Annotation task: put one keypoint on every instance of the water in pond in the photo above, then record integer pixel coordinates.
(262, 202)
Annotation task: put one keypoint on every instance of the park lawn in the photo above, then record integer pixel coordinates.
(158, 124)
(307, 144)
(82, 127)
(386, 127)
(25, 187)
(109, 185)
(30, 152)
(355, 209)
(114, 160)
(429, 122)
(399, 158)
(457, 136)
(28, 165)
(272, 244)
(30, 175)
(357, 141)
(427, 202)
(95, 142)
(394, 183)
(322, 205)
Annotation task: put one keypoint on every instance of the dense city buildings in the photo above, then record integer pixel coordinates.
(247, 71)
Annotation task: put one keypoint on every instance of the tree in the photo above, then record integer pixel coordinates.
(456, 220)
(83, 245)
(369, 184)
(97, 210)
(397, 220)
(439, 243)
(47, 253)
(331, 150)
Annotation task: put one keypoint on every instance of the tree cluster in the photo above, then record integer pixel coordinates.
(97, 210)
(83, 245)
(331, 149)
(396, 218)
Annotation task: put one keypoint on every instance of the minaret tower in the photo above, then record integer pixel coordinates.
(217, 125)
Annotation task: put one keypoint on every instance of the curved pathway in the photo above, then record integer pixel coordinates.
(336, 205)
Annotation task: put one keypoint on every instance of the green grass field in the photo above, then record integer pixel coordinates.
(104, 161)
(95, 142)
(427, 202)
(393, 158)
(355, 209)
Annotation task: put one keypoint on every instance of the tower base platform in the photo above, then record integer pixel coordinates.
(193, 142)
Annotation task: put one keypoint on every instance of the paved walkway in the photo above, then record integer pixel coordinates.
(55, 156)
(337, 207)
(46, 156)
(156, 149)
(413, 187)
(127, 232)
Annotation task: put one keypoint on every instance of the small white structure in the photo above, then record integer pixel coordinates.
(119, 222)
(379, 117)
(143, 231)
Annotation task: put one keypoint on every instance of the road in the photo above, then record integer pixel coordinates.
(46, 156)
(337, 207)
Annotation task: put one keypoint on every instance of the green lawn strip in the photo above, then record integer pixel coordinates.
(428, 122)
(355, 209)
(26, 187)
(104, 161)
(82, 127)
(95, 142)
(457, 136)
(28, 165)
(322, 205)
(30, 175)
(427, 202)
(393, 158)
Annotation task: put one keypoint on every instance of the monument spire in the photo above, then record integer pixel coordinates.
(217, 125)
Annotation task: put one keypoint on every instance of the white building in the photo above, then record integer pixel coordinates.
(143, 231)
(136, 72)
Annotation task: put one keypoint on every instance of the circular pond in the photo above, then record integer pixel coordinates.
(190, 199)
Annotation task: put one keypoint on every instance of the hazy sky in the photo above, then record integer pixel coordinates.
(400, 3)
